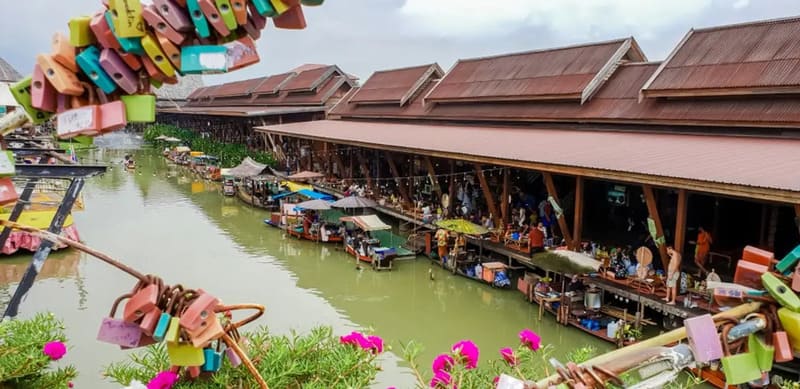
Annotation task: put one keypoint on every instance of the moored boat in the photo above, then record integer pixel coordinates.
(364, 246)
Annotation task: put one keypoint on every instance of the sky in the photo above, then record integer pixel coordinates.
(362, 36)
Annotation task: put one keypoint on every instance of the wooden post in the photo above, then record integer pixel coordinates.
(652, 210)
(680, 220)
(562, 223)
(327, 161)
(432, 174)
(337, 159)
(773, 227)
(578, 221)
(797, 216)
(365, 169)
(487, 194)
(396, 176)
(504, 214)
(452, 188)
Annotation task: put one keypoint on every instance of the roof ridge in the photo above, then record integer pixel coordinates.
(545, 50)
(787, 19)
(404, 68)
(644, 63)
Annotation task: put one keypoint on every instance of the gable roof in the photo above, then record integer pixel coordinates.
(8, 73)
(566, 73)
(742, 59)
(309, 80)
(395, 86)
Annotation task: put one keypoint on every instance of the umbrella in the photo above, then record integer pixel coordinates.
(305, 175)
(316, 205)
(462, 226)
(172, 140)
(354, 202)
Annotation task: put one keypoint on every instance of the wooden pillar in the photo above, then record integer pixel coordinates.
(396, 176)
(327, 161)
(432, 175)
(337, 159)
(680, 220)
(487, 194)
(452, 188)
(365, 169)
(578, 220)
(797, 217)
(562, 223)
(411, 181)
(652, 210)
(350, 168)
(773, 227)
(504, 214)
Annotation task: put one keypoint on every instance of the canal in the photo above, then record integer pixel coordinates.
(161, 219)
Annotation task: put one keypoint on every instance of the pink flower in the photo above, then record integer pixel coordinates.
(55, 350)
(496, 380)
(468, 352)
(355, 338)
(442, 362)
(163, 380)
(377, 344)
(441, 378)
(370, 343)
(530, 339)
(508, 356)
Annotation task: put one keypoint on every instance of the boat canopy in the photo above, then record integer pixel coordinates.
(247, 168)
(367, 222)
(282, 195)
(314, 195)
(183, 149)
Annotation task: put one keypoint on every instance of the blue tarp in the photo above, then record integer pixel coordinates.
(282, 195)
(314, 195)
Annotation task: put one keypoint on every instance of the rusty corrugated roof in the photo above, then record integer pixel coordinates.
(741, 161)
(752, 58)
(553, 74)
(241, 111)
(310, 79)
(272, 84)
(237, 88)
(395, 86)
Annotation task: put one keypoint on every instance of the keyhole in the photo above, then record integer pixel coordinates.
(37, 84)
(214, 16)
(159, 58)
(237, 5)
(161, 26)
(175, 57)
(165, 9)
(224, 8)
(94, 75)
(203, 314)
(50, 72)
(196, 14)
(781, 289)
(118, 76)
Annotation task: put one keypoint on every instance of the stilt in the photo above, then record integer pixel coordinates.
(578, 221)
(680, 220)
(652, 210)
(487, 194)
(562, 223)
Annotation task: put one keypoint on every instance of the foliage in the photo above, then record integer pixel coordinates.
(315, 360)
(229, 154)
(23, 364)
(582, 354)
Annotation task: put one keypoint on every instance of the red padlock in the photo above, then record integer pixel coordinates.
(143, 301)
(43, 95)
(757, 255)
(292, 19)
(199, 312)
(8, 194)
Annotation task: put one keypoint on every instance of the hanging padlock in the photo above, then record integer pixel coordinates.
(21, 91)
(279, 6)
(8, 194)
(780, 292)
(210, 329)
(173, 298)
(239, 11)
(703, 339)
(264, 8)
(173, 331)
(757, 255)
(141, 107)
(312, 3)
(241, 53)
(102, 32)
(7, 167)
(127, 15)
(119, 71)
(204, 59)
(89, 62)
(199, 311)
(198, 19)
(112, 114)
(789, 261)
(80, 34)
(65, 81)
(233, 358)
(184, 354)
(292, 19)
(739, 368)
(157, 23)
(157, 56)
(172, 51)
(780, 340)
(83, 120)
(174, 14)
(63, 52)
(144, 300)
(790, 321)
(251, 30)
(749, 274)
(214, 18)
(43, 95)
(155, 74)
(194, 371)
(212, 359)
(225, 9)
(117, 331)
(796, 279)
(765, 353)
(129, 45)
(132, 60)
(751, 324)
(259, 20)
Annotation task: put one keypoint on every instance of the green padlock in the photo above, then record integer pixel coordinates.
(765, 353)
(22, 93)
(140, 108)
(173, 331)
(184, 354)
(739, 368)
(7, 167)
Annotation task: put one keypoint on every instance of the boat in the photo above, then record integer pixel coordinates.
(39, 213)
(229, 186)
(306, 223)
(364, 246)
(206, 167)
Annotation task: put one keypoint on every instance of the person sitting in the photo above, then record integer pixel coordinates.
(536, 239)
(575, 284)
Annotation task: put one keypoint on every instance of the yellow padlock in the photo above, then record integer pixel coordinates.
(173, 331)
(155, 53)
(127, 16)
(279, 6)
(184, 354)
(80, 34)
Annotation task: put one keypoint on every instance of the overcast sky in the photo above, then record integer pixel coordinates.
(362, 36)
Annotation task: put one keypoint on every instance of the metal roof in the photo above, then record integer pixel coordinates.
(395, 86)
(752, 58)
(8, 73)
(752, 167)
(552, 74)
(241, 111)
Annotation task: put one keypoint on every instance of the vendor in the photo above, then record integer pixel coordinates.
(576, 284)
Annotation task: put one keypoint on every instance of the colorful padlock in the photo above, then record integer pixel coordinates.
(173, 330)
(213, 16)
(144, 300)
(102, 32)
(264, 8)
(80, 34)
(749, 274)
(757, 255)
(117, 331)
(259, 21)
(780, 340)
(739, 368)
(796, 279)
(157, 56)
(43, 95)
(63, 52)
(251, 30)
(184, 354)
(132, 60)
(765, 353)
(119, 71)
(292, 19)
(198, 19)
(89, 62)
(157, 23)
(140, 108)
(21, 91)
(8, 194)
(226, 13)
(233, 358)
(279, 6)
(204, 59)
(240, 11)
(789, 261)
(128, 18)
(172, 51)
(128, 45)
(200, 311)
(241, 53)
(780, 292)
(213, 360)
(155, 74)
(209, 331)
(175, 15)
(790, 321)
(79, 121)
(161, 327)
(703, 339)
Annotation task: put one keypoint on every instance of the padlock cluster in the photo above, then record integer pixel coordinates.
(197, 328)
(99, 77)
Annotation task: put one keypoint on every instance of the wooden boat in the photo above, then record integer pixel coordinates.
(290, 220)
(367, 248)
(39, 214)
(229, 187)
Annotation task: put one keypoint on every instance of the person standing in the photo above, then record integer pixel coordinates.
(673, 275)
(441, 239)
(702, 247)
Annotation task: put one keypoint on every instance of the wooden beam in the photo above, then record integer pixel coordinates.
(432, 175)
(577, 224)
(487, 194)
(396, 176)
(680, 220)
(562, 223)
(452, 188)
(365, 169)
(652, 210)
(504, 214)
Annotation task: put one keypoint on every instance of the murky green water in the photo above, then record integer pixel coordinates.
(161, 220)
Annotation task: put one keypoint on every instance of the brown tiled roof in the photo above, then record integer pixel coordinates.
(241, 111)
(752, 58)
(310, 79)
(237, 88)
(272, 84)
(553, 74)
(197, 92)
(740, 161)
(395, 86)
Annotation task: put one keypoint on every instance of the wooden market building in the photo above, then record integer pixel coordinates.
(710, 135)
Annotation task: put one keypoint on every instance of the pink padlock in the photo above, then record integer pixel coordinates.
(214, 18)
(251, 30)
(141, 302)
(703, 338)
(79, 121)
(199, 311)
(796, 279)
(233, 358)
(119, 71)
(112, 116)
(119, 332)
(259, 21)
(43, 95)
(154, 20)
(102, 32)
(174, 14)
(62, 103)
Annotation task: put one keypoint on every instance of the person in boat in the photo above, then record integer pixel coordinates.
(308, 219)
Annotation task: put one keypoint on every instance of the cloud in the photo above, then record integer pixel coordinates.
(739, 4)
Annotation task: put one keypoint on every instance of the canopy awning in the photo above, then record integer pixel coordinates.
(183, 149)
(247, 168)
(367, 222)
(283, 195)
(305, 175)
(314, 205)
(314, 195)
